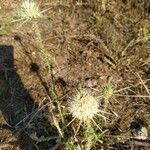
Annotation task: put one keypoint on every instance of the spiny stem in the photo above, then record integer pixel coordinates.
(55, 96)
(43, 52)
(46, 58)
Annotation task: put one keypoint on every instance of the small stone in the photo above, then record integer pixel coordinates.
(141, 133)
(139, 129)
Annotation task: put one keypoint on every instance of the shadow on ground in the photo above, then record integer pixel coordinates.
(18, 109)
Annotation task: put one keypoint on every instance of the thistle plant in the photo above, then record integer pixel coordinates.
(92, 137)
(29, 11)
(146, 32)
(85, 108)
(108, 92)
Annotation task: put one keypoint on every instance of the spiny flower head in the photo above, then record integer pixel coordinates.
(108, 91)
(83, 106)
(29, 10)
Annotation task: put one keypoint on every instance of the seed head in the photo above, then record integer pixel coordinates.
(83, 106)
(29, 10)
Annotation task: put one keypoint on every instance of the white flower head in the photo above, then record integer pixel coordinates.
(83, 106)
(29, 10)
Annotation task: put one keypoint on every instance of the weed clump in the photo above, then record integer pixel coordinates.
(85, 107)
(29, 11)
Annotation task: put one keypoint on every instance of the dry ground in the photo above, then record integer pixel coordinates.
(93, 44)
